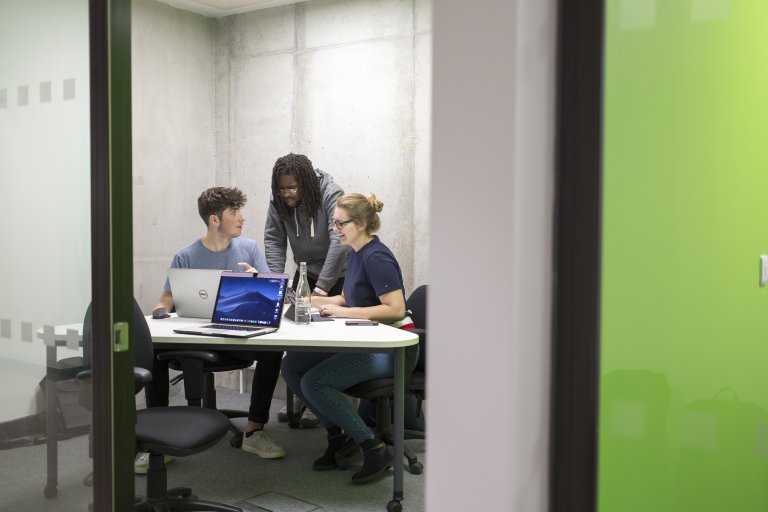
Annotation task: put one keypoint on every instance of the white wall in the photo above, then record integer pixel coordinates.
(492, 212)
(45, 266)
(345, 82)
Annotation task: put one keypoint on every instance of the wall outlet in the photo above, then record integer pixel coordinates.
(763, 270)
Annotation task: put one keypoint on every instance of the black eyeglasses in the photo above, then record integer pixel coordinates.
(289, 190)
(340, 223)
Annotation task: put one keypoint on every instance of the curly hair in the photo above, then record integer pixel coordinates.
(300, 167)
(364, 211)
(217, 199)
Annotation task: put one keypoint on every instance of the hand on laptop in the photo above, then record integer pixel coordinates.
(329, 310)
(247, 267)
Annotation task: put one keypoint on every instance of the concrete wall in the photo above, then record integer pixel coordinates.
(217, 101)
(173, 136)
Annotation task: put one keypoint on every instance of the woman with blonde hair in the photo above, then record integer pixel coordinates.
(373, 290)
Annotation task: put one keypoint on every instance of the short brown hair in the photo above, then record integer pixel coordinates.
(364, 211)
(215, 200)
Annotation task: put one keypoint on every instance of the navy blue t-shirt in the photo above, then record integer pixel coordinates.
(371, 272)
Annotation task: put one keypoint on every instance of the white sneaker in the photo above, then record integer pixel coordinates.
(141, 463)
(282, 415)
(309, 420)
(259, 443)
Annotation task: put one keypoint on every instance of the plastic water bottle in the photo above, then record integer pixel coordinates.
(303, 301)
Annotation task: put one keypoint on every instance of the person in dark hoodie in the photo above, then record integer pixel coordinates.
(300, 214)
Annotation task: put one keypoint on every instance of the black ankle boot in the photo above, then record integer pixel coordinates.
(377, 459)
(339, 446)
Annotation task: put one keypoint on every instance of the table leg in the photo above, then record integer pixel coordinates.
(397, 491)
(52, 431)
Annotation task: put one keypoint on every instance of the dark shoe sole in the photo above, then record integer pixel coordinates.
(373, 476)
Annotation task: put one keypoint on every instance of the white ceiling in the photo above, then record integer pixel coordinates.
(220, 8)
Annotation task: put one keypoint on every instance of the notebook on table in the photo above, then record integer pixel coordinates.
(247, 305)
(194, 291)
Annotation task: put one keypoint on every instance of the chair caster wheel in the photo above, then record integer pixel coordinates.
(50, 491)
(236, 441)
(394, 506)
(416, 468)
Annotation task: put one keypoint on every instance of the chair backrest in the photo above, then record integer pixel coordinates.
(416, 304)
(141, 339)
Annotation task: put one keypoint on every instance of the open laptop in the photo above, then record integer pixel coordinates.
(247, 305)
(194, 291)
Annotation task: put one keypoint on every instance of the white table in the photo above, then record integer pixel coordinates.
(333, 336)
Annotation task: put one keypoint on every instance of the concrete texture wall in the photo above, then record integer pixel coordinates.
(216, 102)
(174, 143)
(348, 84)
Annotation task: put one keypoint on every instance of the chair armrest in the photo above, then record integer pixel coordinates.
(85, 374)
(139, 375)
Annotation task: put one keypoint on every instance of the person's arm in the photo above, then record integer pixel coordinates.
(275, 241)
(165, 301)
(318, 301)
(257, 262)
(391, 309)
(337, 253)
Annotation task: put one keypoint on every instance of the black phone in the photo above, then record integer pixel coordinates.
(362, 322)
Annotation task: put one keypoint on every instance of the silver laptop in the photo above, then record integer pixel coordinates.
(247, 305)
(194, 291)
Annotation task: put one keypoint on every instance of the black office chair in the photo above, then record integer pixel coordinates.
(382, 390)
(177, 431)
(198, 368)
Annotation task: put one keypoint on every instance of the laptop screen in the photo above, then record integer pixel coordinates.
(249, 299)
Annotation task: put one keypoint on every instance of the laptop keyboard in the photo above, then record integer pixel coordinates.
(227, 327)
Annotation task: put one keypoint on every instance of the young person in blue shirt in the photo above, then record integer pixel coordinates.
(373, 289)
(222, 248)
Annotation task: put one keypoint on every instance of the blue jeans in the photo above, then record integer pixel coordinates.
(319, 379)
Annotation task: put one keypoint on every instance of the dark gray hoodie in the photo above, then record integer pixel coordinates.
(315, 243)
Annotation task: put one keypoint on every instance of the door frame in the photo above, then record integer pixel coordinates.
(111, 253)
(576, 308)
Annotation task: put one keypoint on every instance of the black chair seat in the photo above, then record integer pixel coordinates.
(179, 431)
(219, 362)
(198, 367)
(385, 387)
(176, 431)
(65, 369)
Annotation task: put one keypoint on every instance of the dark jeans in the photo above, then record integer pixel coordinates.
(263, 387)
(335, 289)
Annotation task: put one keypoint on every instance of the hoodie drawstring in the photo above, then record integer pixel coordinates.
(311, 224)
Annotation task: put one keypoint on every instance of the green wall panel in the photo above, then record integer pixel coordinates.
(684, 323)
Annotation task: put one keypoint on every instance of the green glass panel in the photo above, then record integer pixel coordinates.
(684, 323)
